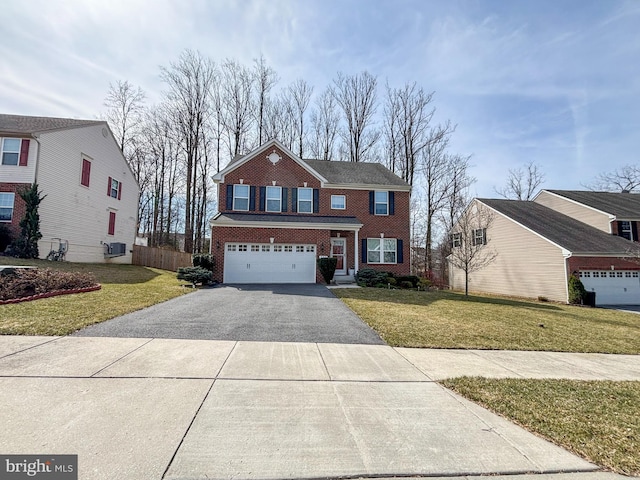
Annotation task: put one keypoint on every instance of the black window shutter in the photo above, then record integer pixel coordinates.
(484, 236)
(316, 200)
(451, 240)
(263, 196)
(294, 199)
(634, 231)
(229, 197)
(619, 228)
(284, 199)
(371, 202)
(399, 252)
(363, 256)
(252, 198)
(392, 203)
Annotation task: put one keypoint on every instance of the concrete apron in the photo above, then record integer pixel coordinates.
(188, 409)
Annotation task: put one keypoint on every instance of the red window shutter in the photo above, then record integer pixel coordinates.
(112, 223)
(119, 190)
(24, 152)
(86, 172)
(109, 187)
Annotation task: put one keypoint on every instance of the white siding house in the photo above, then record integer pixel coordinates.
(90, 194)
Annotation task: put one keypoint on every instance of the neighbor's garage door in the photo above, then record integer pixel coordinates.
(269, 263)
(619, 287)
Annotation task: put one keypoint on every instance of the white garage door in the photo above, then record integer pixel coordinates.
(269, 263)
(619, 287)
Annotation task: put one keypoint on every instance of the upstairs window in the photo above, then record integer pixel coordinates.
(114, 188)
(10, 151)
(274, 199)
(305, 200)
(479, 236)
(6, 206)
(381, 203)
(241, 197)
(455, 240)
(624, 228)
(338, 202)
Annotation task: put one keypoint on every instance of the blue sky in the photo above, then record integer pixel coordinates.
(554, 82)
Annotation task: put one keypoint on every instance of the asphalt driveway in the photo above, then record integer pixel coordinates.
(270, 313)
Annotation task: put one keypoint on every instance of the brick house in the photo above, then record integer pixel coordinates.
(538, 247)
(72, 161)
(278, 213)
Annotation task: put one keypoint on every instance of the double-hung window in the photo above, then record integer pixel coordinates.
(241, 197)
(6, 206)
(382, 250)
(479, 236)
(305, 200)
(274, 199)
(381, 203)
(338, 202)
(625, 229)
(456, 240)
(115, 188)
(10, 151)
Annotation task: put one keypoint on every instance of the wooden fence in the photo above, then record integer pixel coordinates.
(160, 258)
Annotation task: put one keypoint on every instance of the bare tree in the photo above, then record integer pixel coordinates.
(407, 117)
(125, 104)
(522, 183)
(280, 119)
(190, 81)
(470, 245)
(436, 174)
(238, 105)
(300, 92)
(624, 179)
(356, 96)
(265, 79)
(325, 120)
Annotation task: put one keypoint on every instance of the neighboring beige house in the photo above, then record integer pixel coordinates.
(538, 248)
(91, 195)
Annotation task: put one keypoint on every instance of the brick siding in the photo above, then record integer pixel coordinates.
(601, 263)
(19, 207)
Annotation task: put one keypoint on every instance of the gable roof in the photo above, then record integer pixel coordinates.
(622, 205)
(329, 173)
(26, 125)
(566, 232)
(360, 173)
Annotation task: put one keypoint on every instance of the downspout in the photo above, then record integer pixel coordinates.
(567, 256)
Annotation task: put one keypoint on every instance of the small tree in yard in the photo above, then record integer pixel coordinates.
(470, 251)
(577, 292)
(26, 246)
(195, 275)
(327, 266)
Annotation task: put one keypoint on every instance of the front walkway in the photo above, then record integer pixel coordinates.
(142, 408)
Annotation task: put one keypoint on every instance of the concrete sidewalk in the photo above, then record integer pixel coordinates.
(190, 409)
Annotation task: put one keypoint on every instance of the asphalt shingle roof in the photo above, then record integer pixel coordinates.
(623, 205)
(357, 173)
(571, 234)
(260, 217)
(25, 125)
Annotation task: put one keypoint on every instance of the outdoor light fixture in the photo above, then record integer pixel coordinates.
(322, 247)
(217, 244)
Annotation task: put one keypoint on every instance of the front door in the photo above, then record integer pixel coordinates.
(339, 251)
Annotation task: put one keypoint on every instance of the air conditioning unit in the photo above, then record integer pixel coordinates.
(117, 249)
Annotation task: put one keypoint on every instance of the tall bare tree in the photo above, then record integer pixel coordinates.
(125, 111)
(300, 92)
(238, 105)
(522, 182)
(470, 245)
(190, 81)
(265, 79)
(357, 97)
(325, 120)
(626, 178)
(407, 118)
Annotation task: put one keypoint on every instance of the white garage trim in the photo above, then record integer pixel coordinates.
(613, 287)
(246, 262)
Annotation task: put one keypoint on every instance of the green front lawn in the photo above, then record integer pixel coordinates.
(408, 318)
(125, 288)
(599, 421)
